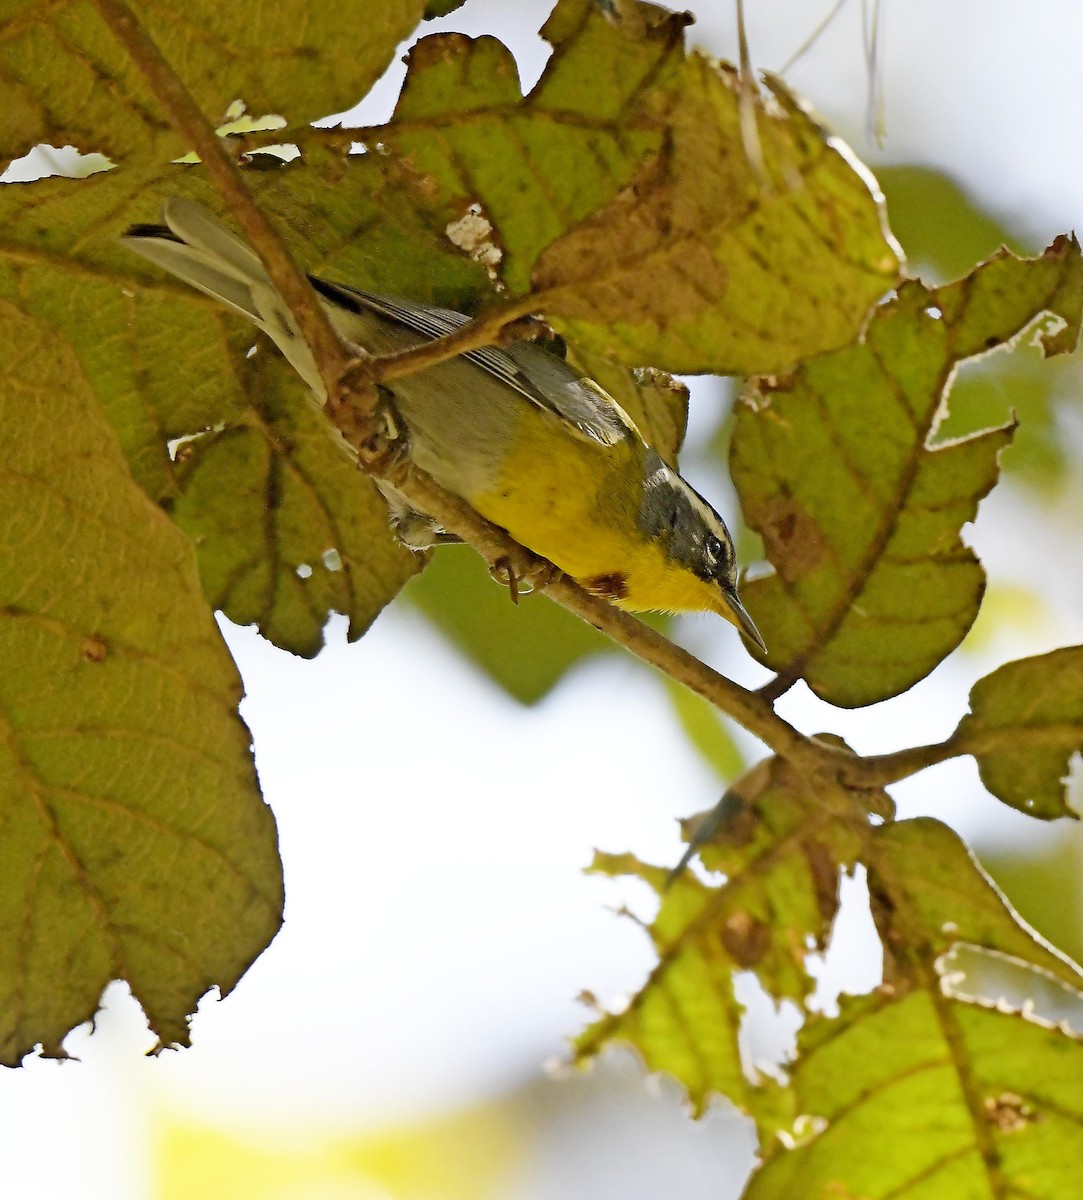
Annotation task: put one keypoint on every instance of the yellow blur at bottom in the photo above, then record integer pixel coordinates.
(470, 1156)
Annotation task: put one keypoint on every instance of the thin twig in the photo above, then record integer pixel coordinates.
(746, 102)
(484, 330)
(879, 770)
(811, 39)
(729, 697)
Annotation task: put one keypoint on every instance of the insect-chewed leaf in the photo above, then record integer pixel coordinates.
(67, 80)
(781, 847)
(1025, 723)
(951, 898)
(919, 1096)
(536, 164)
(621, 189)
(287, 530)
(860, 513)
(135, 842)
(685, 1019)
(701, 265)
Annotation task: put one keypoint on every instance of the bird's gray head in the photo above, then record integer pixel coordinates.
(693, 536)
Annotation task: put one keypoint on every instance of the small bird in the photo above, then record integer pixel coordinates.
(530, 444)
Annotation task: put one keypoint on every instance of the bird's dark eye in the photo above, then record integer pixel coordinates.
(713, 548)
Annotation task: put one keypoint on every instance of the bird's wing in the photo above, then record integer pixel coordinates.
(540, 376)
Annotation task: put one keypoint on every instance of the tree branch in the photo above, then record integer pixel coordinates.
(737, 702)
(487, 329)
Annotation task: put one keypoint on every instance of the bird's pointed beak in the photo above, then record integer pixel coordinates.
(738, 615)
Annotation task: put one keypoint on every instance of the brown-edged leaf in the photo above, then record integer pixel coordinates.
(620, 188)
(701, 264)
(780, 846)
(536, 164)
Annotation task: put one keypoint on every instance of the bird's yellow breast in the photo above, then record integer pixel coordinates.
(578, 503)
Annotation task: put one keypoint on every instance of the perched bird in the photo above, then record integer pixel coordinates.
(530, 444)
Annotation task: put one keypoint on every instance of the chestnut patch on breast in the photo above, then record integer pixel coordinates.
(612, 586)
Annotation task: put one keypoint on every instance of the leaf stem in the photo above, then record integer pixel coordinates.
(879, 770)
(485, 330)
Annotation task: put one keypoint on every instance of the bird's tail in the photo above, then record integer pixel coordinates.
(196, 247)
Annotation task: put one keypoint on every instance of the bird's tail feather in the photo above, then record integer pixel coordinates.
(204, 253)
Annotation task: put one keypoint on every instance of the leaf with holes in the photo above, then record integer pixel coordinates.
(916, 1096)
(286, 528)
(1025, 724)
(68, 81)
(258, 483)
(780, 846)
(953, 900)
(859, 509)
(538, 163)
(136, 844)
(620, 189)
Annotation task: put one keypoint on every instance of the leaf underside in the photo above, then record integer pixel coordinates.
(859, 510)
(67, 81)
(915, 1098)
(136, 844)
(1029, 714)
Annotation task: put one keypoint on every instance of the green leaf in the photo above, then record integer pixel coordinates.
(286, 528)
(69, 81)
(685, 1019)
(1043, 883)
(944, 231)
(860, 514)
(526, 648)
(1025, 723)
(954, 900)
(621, 190)
(540, 163)
(781, 847)
(136, 844)
(919, 1097)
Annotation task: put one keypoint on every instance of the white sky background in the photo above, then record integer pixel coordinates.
(438, 924)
